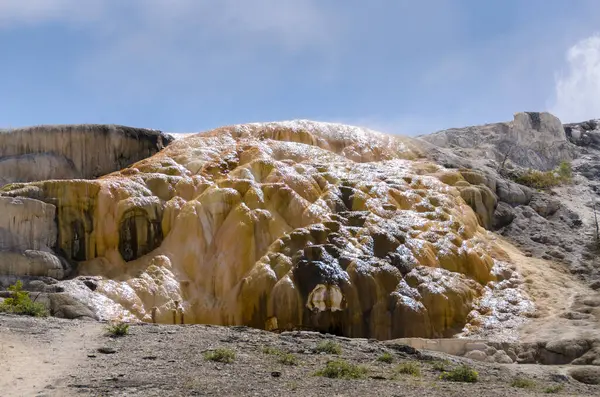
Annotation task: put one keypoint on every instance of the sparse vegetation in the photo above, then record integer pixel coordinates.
(441, 365)
(462, 373)
(288, 359)
(283, 357)
(221, 355)
(273, 351)
(546, 179)
(329, 347)
(20, 303)
(565, 171)
(554, 389)
(386, 358)
(118, 329)
(523, 383)
(409, 368)
(342, 369)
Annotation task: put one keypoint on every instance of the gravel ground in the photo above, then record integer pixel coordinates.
(54, 357)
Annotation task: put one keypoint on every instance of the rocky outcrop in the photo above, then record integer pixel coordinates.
(73, 151)
(554, 352)
(555, 224)
(280, 226)
(28, 233)
(27, 224)
(585, 134)
(531, 140)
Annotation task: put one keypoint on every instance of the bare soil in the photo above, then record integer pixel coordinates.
(55, 357)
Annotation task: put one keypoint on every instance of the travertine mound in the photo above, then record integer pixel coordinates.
(283, 225)
(73, 151)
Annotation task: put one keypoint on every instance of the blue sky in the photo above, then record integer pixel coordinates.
(398, 66)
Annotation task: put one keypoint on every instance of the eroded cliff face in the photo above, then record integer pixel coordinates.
(286, 225)
(73, 151)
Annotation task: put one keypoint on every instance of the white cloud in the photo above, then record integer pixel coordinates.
(578, 90)
(144, 47)
(20, 12)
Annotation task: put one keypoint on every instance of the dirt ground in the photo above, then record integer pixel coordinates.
(55, 357)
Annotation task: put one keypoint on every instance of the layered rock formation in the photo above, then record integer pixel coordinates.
(279, 226)
(73, 151)
(29, 234)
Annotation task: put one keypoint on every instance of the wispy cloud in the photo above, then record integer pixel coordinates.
(30, 12)
(578, 89)
(198, 46)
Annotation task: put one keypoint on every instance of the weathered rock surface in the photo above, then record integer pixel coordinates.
(334, 228)
(27, 224)
(536, 140)
(587, 375)
(557, 224)
(279, 226)
(73, 151)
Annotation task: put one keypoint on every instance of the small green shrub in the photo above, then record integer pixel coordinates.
(221, 355)
(342, 370)
(441, 365)
(118, 329)
(545, 179)
(409, 368)
(288, 359)
(463, 373)
(554, 389)
(386, 358)
(273, 351)
(20, 303)
(523, 383)
(539, 179)
(329, 347)
(565, 171)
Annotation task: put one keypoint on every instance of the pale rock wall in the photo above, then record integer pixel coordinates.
(32, 263)
(27, 224)
(73, 151)
(28, 232)
(535, 140)
(282, 225)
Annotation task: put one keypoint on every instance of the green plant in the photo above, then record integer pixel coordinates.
(545, 179)
(20, 303)
(409, 368)
(221, 355)
(329, 347)
(272, 351)
(523, 383)
(565, 170)
(343, 370)
(118, 329)
(463, 373)
(539, 179)
(386, 358)
(441, 365)
(554, 389)
(288, 359)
